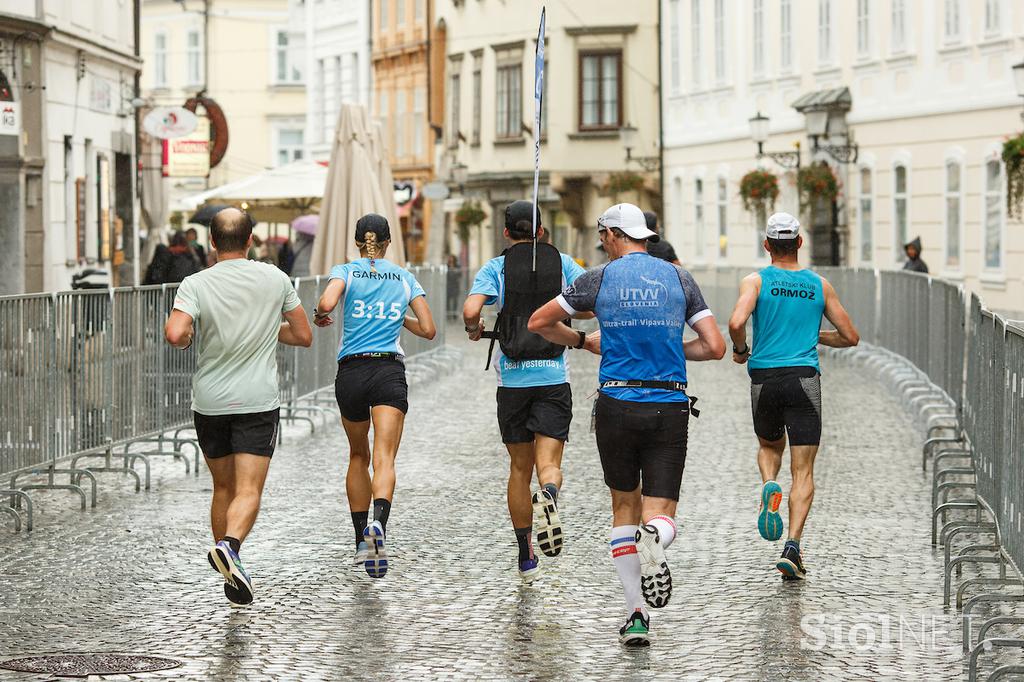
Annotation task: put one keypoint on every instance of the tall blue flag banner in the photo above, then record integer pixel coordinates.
(538, 93)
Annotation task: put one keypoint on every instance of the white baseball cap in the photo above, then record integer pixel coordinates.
(782, 226)
(628, 218)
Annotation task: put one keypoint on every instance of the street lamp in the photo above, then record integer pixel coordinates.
(821, 123)
(759, 133)
(460, 173)
(630, 138)
(1018, 81)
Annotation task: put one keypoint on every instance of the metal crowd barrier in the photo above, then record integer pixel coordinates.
(87, 375)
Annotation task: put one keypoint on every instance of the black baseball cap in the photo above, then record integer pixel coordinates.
(375, 223)
(652, 220)
(518, 211)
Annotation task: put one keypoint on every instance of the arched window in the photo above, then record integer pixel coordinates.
(954, 196)
(995, 218)
(900, 208)
(866, 213)
(698, 217)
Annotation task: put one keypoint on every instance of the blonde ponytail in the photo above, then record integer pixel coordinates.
(370, 244)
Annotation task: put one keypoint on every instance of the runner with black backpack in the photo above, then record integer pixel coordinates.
(534, 398)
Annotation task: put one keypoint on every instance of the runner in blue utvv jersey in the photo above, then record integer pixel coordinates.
(370, 384)
(787, 302)
(643, 305)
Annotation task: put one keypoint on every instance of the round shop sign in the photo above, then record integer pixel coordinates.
(404, 192)
(168, 123)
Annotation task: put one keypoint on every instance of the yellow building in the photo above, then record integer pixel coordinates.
(237, 52)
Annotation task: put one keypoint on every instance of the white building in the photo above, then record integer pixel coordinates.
(932, 98)
(331, 39)
(67, 148)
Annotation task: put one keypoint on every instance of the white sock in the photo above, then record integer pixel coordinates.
(627, 563)
(666, 529)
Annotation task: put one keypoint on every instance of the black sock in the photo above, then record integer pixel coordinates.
(359, 524)
(234, 543)
(523, 538)
(381, 511)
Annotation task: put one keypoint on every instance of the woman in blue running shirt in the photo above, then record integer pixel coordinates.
(370, 385)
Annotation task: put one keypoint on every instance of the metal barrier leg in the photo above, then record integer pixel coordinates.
(943, 508)
(107, 468)
(293, 418)
(974, 530)
(998, 620)
(14, 513)
(17, 495)
(987, 598)
(1004, 670)
(983, 581)
(51, 484)
(985, 646)
(948, 575)
(946, 485)
(130, 463)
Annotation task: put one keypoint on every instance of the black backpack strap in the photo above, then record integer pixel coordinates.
(493, 336)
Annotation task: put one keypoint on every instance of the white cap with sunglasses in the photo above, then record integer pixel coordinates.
(782, 226)
(628, 218)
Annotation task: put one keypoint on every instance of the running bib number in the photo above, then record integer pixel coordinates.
(376, 310)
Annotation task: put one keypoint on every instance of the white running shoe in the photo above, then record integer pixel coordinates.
(547, 523)
(655, 578)
(376, 561)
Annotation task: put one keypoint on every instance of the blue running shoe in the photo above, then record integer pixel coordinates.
(376, 562)
(769, 521)
(790, 564)
(529, 570)
(237, 584)
(362, 549)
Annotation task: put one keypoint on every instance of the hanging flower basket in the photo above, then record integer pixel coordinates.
(469, 215)
(1013, 157)
(759, 189)
(624, 181)
(816, 183)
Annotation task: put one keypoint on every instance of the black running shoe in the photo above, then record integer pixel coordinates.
(790, 565)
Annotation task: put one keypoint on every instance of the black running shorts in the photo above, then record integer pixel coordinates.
(253, 433)
(363, 383)
(526, 412)
(787, 400)
(642, 443)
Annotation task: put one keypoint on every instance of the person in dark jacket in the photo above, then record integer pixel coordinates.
(172, 263)
(914, 262)
(661, 248)
(193, 241)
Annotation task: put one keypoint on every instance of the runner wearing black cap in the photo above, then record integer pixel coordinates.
(534, 398)
(787, 302)
(643, 305)
(371, 384)
(660, 248)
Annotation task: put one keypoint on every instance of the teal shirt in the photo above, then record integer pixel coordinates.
(787, 318)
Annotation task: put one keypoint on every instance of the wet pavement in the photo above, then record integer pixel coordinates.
(131, 576)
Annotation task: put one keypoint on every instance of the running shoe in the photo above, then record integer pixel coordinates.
(790, 565)
(529, 570)
(655, 578)
(549, 526)
(769, 521)
(636, 631)
(376, 561)
(237, 585)
(362, 549)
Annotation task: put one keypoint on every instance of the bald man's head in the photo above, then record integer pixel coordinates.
(230, 230)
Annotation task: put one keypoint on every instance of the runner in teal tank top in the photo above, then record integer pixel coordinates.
(787, 303)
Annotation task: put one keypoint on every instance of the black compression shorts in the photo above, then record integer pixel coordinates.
(253, 433)
(363, 383)
(526, 412)
(787, 400)
(642, 443)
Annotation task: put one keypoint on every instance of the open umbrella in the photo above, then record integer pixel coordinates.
(205, 214)
(306, 224)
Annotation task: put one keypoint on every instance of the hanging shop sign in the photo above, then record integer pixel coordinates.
(10, 118)
(218, 126)
(168, 123)
(188, 156)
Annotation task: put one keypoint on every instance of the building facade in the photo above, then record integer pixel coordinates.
(930, 99)
(331, 39)
(601, 84)
(238, 53)
(403, 40)
(67, 130)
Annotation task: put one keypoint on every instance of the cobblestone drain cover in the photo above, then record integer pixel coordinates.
(83, 665)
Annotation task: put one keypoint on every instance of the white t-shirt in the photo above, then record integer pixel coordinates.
(236, 306)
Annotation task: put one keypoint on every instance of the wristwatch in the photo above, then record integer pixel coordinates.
(583, 338)
(737, 351)
(470, 330)
(319, 315)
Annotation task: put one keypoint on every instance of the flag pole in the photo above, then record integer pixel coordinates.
(538, 94)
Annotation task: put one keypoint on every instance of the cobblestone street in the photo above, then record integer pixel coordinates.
(131, 576)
